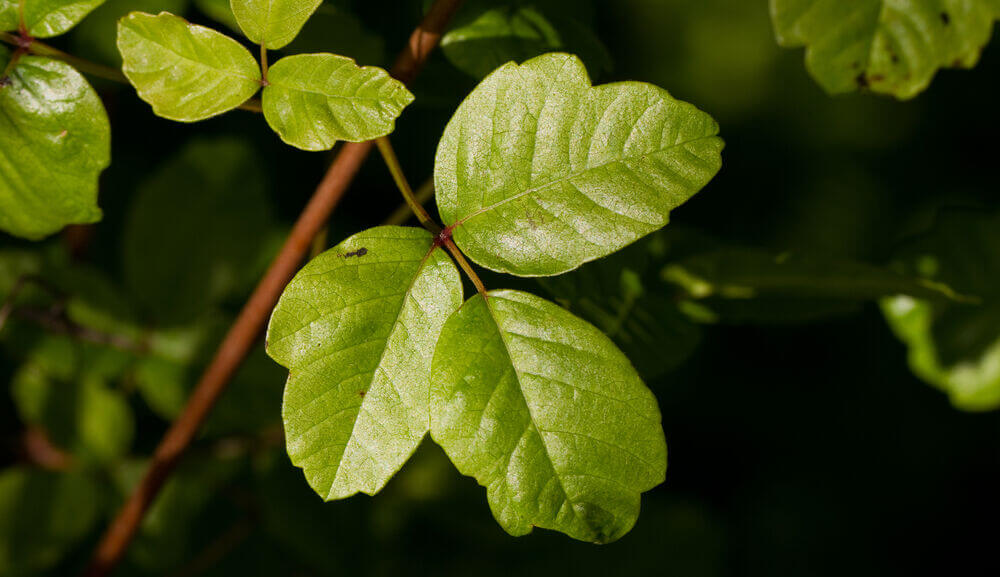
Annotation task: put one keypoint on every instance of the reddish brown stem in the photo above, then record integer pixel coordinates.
(244, 332)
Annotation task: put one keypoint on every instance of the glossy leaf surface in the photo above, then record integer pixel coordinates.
(273, 23)
(538, 172)
(314, 100)
(54, 142)
(45, 18)
(357, 329)
(546, 413)
(185, 71)
(892, 47)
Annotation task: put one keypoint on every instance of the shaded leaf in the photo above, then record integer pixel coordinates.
(273, 23)
(516, 33)
(96, 37)
(546, 413)
(334, 29)
(538, 172)
(357, 329)
(888, 47)
(42, 516)
(45, 18)
(314, 100)
(196, 229)
(185, 71)
(54, 142)
(955, 346)
(219, 10)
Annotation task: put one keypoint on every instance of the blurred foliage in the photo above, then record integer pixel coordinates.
(796, 448)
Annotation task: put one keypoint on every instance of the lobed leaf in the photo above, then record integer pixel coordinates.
(185, 71)
(273, 23)
(44, 18)
(356, 328)
(546, 413)
(54, 142)
(886, 46)
(538, 172)
(314, 100)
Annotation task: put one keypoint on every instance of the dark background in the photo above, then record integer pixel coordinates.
(796, 450)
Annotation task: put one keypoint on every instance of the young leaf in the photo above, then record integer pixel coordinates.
(955, 346)
(273, 23)
(508, 33)
(538, 172)
(45, 18)
(546, 413)
(54, 142)
(357, 328)
(42, 516)
(186, 72)
(314, 100)
(196, 228)
(888, 47)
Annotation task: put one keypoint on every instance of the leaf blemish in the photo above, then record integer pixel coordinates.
(945, 18)
(358, 253)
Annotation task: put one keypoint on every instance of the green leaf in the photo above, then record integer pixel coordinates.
(96, 37)
(54, 142)
(186, 72)
(624, 297)
(538, 172)
(314, 100)
(516, 33)
(45, 18)
(357, 328)
(63, 388)
(888, 47)
(955, 346)
(546, 413)
(748, 285)
(42, 516)
(273, 23)
(196, 229)
(221, 11)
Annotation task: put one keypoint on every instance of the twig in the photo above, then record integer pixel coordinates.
(244, 332)
(56, 321)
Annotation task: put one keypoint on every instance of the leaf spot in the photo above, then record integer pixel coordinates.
(945, 18)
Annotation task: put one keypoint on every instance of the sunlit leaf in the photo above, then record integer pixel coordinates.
(185, 71)
(357, 329)
(54, 142)
(538, 172)
(42, 516)
(273, 23)
(889, 47)
(955, 346)
(314, 100)
(44, 18)
(546, 413)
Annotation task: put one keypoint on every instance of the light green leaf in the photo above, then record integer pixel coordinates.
(54, 142)
(45, 18)
(273, 23)
(196, 228)
(42, 516)
(357, 329)
(538, 172)
(314, 100)
(546, 413)
(186, 72)
(516, 33)
(63, 387)
(888, 47)
(955, 346)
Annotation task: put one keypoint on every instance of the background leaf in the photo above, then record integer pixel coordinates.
(46, 18)
(273, 23)
(314, 100)
(185, 71)
(96, 38)
(889, 47)
(357, 328)
(546, 413)
(538, 172)
(55, 141)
